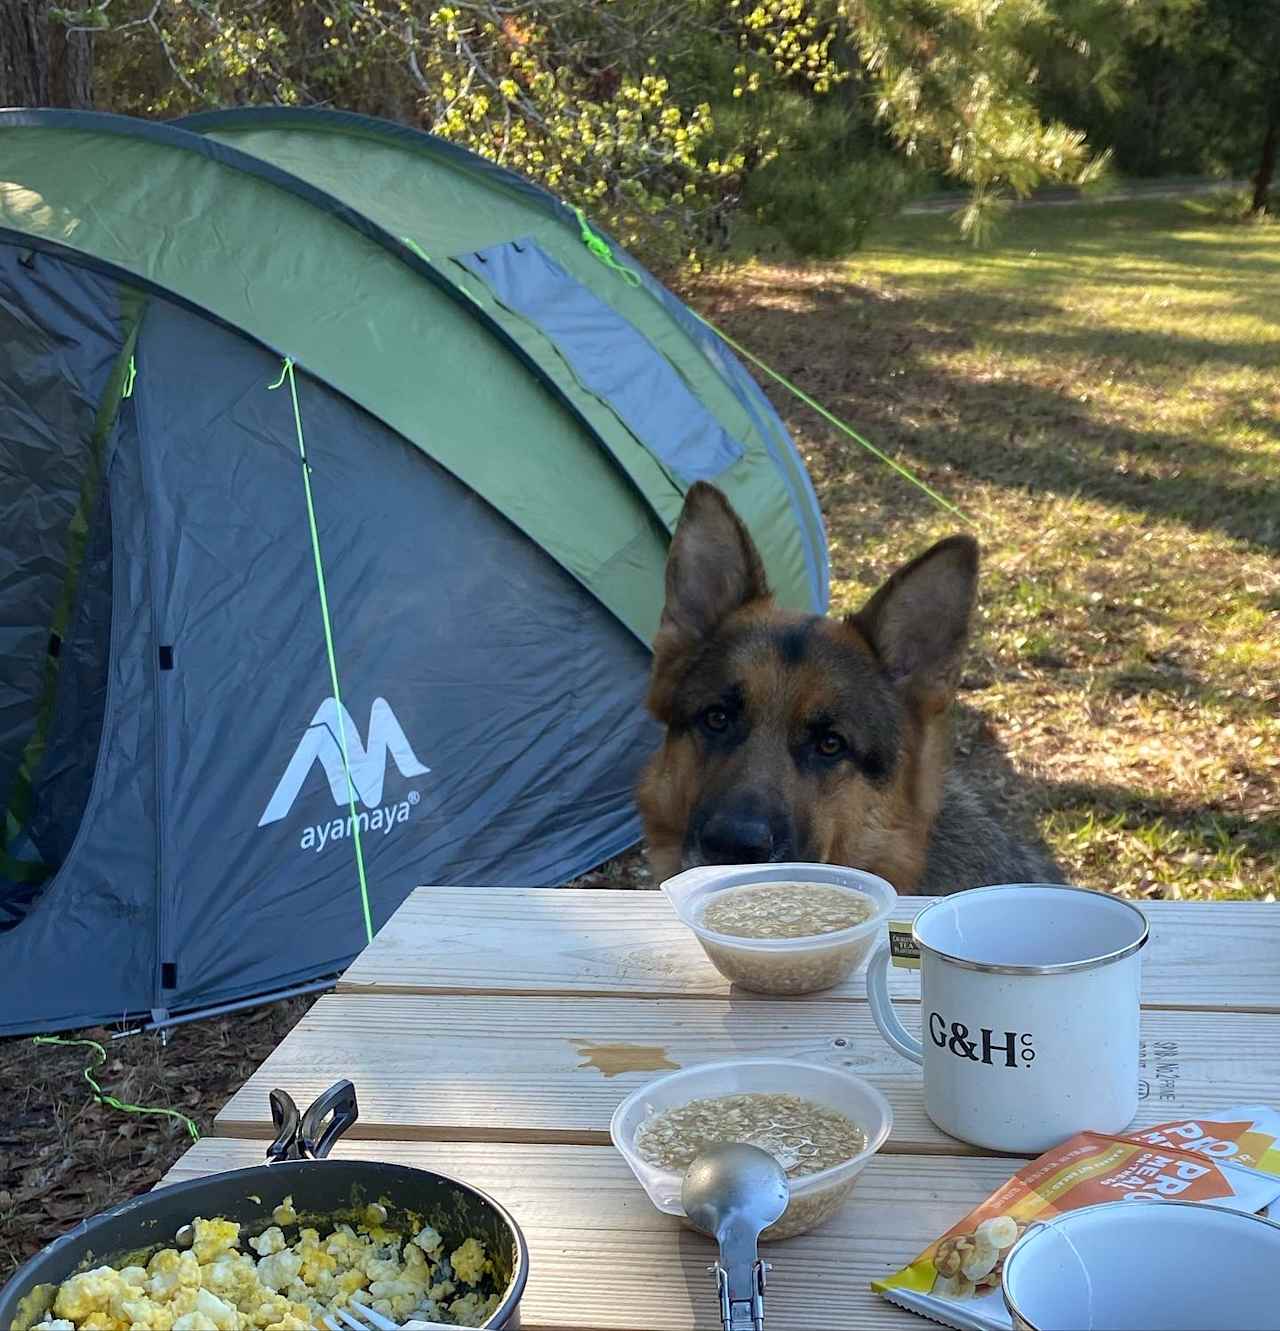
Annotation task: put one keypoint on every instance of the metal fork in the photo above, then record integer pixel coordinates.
(375, 1321)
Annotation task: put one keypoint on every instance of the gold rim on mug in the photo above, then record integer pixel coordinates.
(1020, 1318)
(1059, 968)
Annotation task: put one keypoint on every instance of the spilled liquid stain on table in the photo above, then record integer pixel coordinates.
(612, 1060)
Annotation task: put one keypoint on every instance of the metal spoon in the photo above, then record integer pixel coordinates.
(733, 1192)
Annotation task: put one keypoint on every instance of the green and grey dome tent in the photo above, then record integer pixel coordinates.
(485, 421)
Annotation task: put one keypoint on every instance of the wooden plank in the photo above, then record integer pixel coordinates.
(551, 1069)
(1206, 955)
(601, 1259)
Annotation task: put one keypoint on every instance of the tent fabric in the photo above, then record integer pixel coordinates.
(499, 434)
(339, 151)
(334, 297)
(449, 616)
(809, 537)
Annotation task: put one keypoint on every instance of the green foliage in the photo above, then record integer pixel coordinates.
(831, 182)
(954, 82)
(664, 118)
(1197, 87)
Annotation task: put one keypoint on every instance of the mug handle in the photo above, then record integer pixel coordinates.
(886, 1019)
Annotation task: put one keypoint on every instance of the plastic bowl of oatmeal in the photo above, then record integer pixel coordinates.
(820, 1123)
(783, 928)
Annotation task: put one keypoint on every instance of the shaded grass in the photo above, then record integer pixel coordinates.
(1099, 391)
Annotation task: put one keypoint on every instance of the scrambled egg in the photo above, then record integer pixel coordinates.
(216, 1286)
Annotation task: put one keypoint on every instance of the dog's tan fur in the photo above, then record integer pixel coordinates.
(788, 686)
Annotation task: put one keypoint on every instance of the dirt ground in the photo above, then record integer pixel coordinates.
(63, 1156)
(1102, 400)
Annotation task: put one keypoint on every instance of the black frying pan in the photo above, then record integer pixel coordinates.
(324, 1192)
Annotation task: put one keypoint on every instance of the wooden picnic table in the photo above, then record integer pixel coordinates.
(490, 1034)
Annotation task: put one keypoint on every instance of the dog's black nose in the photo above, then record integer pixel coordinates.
(734, 838)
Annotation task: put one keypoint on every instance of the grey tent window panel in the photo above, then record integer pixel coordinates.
(59, 337)
(611, 358)
(62, 785)
(58, 340)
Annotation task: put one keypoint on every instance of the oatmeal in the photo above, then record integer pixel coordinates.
(786, 910)
(804, 1137)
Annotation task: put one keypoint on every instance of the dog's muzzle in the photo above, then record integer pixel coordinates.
(741, 833)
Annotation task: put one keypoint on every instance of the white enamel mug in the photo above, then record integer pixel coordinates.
(1132, 1266)
(1029, 1013)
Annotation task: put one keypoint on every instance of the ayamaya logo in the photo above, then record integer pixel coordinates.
(322, 743)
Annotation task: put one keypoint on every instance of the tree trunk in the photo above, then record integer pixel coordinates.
(1267, 167)
(24, 52)
(1159, 114)
(71, 69)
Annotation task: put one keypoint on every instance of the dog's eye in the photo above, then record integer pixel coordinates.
(829, 744)
(715, 719)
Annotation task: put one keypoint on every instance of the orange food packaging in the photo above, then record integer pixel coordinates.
(1231, 1158)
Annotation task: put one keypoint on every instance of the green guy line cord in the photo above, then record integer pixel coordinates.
(103, 1098)
(834, 420)
(599, 247)
(287, 373)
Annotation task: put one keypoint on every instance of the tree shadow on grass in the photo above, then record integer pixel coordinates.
(887, 374)
(1212, 833)
(1135, 807)
(1210, 848)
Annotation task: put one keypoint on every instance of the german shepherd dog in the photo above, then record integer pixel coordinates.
(825, 740)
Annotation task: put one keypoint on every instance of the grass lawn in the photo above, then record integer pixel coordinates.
(1099, 391)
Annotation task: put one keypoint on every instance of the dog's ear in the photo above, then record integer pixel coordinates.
(918, 622)
(713, 569)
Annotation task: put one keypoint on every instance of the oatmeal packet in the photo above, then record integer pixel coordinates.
(1230, 1158)
(1247, 1137)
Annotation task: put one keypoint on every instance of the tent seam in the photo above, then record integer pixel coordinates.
(617, 558)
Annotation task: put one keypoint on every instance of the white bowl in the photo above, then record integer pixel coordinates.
(781, 965)
(1131, 1266)
(814, 1197)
